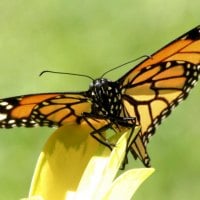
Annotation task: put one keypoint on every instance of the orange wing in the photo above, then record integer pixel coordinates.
(158, 84)
(51, 109)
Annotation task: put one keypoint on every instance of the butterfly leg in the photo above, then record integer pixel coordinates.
(127, 122)
(137, 146)
(103, 140)
(97, 133)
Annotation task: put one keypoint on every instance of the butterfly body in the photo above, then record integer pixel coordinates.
(106, 104)
(144, 96)
(106, 97)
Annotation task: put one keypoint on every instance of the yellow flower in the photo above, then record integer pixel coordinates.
(73, 165)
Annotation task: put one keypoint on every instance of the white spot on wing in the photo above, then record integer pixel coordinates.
(12, 121)
(8, 107)
(195, 73)
(168, 64)
(187, 73)
(3, 116)
(3, 103)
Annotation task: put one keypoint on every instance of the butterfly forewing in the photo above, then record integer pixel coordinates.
(51, 109)
(185, 48)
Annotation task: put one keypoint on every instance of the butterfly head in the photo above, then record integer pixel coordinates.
(101, 86)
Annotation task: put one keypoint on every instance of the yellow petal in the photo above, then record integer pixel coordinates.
(64, 158)
(101, 170)
(125, 185)
(62, 162)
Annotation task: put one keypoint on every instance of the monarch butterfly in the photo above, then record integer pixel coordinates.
(143, 96)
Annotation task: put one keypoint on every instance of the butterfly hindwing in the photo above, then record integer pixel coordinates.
(152, 99)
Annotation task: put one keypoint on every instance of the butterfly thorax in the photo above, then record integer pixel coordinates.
(106, 98)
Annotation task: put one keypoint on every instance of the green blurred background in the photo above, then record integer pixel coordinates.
(87, 36)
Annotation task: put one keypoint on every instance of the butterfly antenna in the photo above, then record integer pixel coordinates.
(126, 63)
(73, 74)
